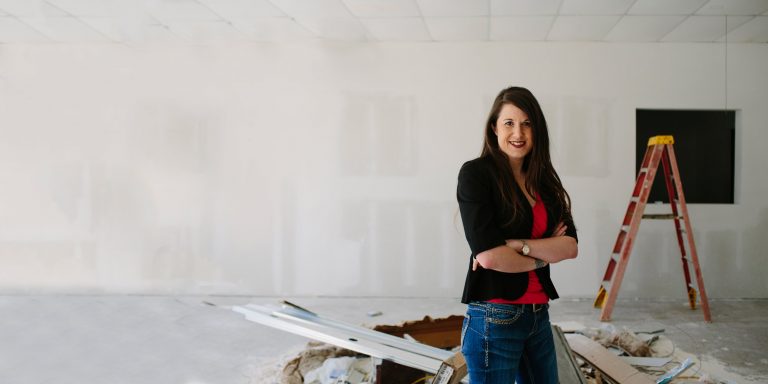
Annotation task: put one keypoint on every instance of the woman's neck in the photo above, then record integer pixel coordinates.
(517, 169)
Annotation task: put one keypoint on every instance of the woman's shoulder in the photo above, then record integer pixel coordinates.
(481, 164)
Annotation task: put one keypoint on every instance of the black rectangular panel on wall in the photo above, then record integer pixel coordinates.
(704, 147)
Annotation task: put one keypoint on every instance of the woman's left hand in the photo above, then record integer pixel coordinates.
(559, 230)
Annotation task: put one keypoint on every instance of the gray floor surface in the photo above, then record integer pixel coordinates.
(160, 339)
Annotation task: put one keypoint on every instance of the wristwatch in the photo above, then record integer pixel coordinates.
(525, 250)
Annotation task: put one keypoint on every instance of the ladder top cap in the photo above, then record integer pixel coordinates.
(661, 140)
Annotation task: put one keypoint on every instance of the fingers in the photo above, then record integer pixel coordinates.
(559, 230)
(474, 264)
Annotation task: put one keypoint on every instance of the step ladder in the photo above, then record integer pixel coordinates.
(659, 150)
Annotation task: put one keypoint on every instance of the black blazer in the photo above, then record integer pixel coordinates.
(485, 226)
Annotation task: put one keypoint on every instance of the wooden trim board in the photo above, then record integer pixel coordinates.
(605, 361)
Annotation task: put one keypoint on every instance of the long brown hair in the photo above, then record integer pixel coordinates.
(540, 175)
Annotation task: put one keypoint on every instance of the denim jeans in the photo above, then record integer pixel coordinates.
(506, 342)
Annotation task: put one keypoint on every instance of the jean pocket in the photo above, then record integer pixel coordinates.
(504, 314)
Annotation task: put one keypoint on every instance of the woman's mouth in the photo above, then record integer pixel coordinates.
(517, 144)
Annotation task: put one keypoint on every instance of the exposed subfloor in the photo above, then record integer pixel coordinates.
(160, 339)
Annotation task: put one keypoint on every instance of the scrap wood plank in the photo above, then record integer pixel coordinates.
(567, 369)
(605, 361)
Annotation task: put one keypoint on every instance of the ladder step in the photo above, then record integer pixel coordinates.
(659, 216)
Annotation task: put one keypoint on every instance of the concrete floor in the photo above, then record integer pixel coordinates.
(151, 339)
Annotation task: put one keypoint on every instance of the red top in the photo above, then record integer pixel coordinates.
(535, 293)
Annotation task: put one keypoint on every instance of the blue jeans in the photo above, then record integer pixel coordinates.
(506, 342)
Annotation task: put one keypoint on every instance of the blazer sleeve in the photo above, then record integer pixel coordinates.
(571, 230)
(474, 193)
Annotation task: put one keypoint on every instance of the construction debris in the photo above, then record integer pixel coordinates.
(427, 351)
(671, 374)
(608, 363)
(310, 359)
(624, 340)
(567, 368)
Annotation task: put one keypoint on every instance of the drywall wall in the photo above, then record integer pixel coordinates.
(330, 169)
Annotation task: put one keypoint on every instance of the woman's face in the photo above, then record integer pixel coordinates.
(514, 133)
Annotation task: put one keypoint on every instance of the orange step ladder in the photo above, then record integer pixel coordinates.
(659, 150)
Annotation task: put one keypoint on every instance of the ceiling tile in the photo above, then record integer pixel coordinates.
(334, 28)
(21, 7)
(313, 8)
(151, 33)
(33, 8)
(532, 28)
(397, 29)
(453, 8)
(703, 28)
(643, 28)
(243, 10)
(458, 28)
(383, 8)
(109, 27)
(665, 7)
(206, 31)
(734, 7)
(274, 29)
(753, 31)
(524, 7)
(181, 10)
(88, 7)
(65, 29)
(14, 31)
(595, 7)
(582, 28)
(132, 27)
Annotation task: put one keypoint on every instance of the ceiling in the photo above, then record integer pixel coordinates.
(205, 21)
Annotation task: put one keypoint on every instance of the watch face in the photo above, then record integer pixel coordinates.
(526, 249)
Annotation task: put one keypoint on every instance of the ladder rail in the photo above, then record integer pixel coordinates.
(645, 184)
(672, 193)
(689, 235)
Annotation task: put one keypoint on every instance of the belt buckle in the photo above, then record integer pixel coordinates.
(537, 307)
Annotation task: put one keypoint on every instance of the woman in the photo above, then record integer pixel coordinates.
(517, 220)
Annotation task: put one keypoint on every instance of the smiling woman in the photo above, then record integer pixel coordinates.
(517, 220)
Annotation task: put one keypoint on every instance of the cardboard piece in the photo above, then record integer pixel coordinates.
(452, 370)
(610, 364)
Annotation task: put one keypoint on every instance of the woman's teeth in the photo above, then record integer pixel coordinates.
(517, 144)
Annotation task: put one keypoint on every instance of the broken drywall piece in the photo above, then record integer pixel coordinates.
(605, 361)
(291, 318)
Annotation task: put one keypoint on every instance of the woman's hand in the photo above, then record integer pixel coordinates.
(559, 230)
